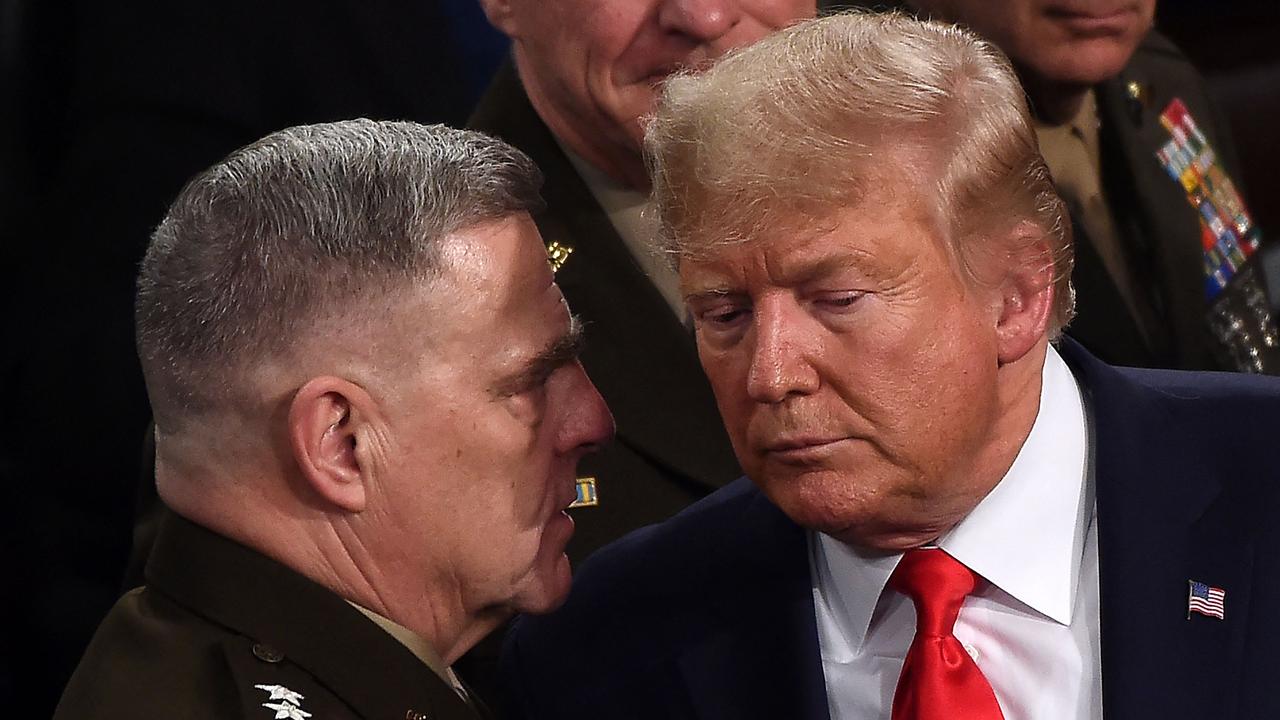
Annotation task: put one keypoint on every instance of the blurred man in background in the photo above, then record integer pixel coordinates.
(1099, 77)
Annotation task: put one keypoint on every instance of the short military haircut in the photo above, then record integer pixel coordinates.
(802, 123)
(300, 227)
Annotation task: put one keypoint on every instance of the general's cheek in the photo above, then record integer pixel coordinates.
(527, 409)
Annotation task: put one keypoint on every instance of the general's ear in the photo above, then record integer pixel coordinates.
(501, 14)
(324, 422)
(1026, 293)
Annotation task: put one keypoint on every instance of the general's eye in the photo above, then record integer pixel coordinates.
(533, 382)
(538, 383)
(538, 380)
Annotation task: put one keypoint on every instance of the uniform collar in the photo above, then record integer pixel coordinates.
(416, 644)
(252, 595)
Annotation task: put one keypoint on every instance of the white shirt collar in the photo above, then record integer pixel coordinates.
(1025, 537)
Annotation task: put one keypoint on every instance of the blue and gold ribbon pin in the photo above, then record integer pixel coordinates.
(586, 493)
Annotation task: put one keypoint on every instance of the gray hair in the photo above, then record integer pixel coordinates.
(296, 228)
(793, 128)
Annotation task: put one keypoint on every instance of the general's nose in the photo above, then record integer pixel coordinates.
(781, 353)
(590, 424)
(705, 20)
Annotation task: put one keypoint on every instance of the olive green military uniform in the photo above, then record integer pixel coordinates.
(221, 631)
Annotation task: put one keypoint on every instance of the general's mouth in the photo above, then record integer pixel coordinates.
(661, 73)
(1093, 22)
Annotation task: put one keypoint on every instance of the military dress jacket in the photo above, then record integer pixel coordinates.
(671, 448)
(1157, 227)
(221, 631)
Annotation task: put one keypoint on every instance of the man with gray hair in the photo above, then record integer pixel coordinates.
(368, 414)
(950, 511)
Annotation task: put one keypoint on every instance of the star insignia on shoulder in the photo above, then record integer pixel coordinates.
(280, 692)
(288, 707)
(285, 711)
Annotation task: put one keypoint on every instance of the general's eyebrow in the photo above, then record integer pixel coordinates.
(558, 353)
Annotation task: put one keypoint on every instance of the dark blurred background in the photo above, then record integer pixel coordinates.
(106, 108)
(1236, 45)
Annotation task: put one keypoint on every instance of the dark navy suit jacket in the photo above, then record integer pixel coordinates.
(710, 615)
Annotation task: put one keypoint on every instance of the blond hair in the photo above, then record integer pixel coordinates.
(794, 126)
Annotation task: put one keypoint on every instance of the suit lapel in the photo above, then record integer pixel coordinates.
(1162, 520)
(763, 660)
(1220, 556)
(638, 353)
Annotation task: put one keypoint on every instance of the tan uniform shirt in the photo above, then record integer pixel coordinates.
(417, 645)
(632, 216)
(1073, 154)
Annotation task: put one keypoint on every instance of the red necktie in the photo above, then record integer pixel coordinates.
(939, 680)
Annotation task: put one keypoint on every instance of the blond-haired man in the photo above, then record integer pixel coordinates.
(948, 513)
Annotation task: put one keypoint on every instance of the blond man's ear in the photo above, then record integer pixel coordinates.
(1026, 293)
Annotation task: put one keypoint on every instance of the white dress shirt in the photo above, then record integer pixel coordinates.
(1032, 623)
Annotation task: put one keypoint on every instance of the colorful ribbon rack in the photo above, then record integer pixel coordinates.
(1239, 301)
(1226, 230)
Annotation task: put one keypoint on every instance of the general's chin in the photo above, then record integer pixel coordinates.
(550, 588)
(1087, 62)
(551, 573)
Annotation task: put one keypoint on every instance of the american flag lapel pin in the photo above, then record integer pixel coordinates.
(1205, 599)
